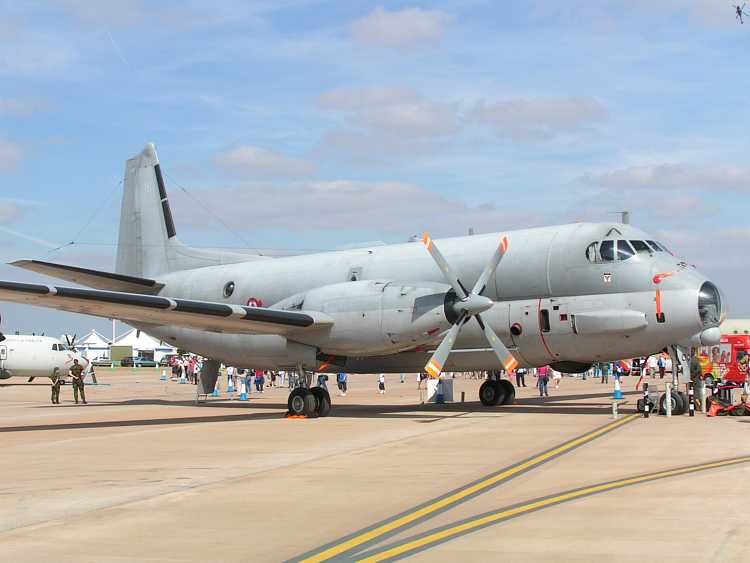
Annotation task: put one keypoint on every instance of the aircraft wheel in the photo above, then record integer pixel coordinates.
(323, 400)
(677, 406)
(685, 402)
(302, 403)
(508, 391)
(490, 393)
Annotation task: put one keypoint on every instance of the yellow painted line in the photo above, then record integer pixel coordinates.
(461, 494)
(494, 517)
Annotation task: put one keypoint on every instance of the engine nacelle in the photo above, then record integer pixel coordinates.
(375, 317)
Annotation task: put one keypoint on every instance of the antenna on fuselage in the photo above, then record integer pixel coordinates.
(624, 216)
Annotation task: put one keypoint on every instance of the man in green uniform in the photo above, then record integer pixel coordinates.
(55, 377)
(76, 373)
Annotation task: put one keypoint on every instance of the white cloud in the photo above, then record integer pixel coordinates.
(528, 120)
(674, 176)
(13, 210)
(96, 11)
(349, 99)
(390, 113)
(399, 28)
(261, 162)
(388, 207)
(10, 154)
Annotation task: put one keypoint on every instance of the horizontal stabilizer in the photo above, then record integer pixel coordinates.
(158, 310)
(91, 278)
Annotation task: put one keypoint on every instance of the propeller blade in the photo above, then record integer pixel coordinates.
(489, 270)
(505, 357)
(435, 366)
(448, 272)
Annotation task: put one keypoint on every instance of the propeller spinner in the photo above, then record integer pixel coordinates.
(469, 304)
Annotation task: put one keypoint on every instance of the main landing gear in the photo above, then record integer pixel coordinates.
(306, 401)
(497, 392)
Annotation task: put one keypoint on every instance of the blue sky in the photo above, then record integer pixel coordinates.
(441, 116)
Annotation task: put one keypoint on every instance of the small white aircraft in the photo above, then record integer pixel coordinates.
(25, 355)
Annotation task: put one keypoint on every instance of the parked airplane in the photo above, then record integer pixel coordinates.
(565, 295)
(24, 355)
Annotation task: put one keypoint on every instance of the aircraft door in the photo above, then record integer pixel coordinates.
(525, 332)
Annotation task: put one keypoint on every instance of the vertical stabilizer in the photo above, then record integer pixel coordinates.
(146, 224)
(148, 244)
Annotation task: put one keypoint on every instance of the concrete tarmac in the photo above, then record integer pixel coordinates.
(141, 473)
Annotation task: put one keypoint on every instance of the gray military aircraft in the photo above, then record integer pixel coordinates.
(565, 295)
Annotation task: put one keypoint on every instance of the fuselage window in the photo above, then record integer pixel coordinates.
(624, 250)
(591, 252)
(544, 320)
(607, 250)
(640, 246)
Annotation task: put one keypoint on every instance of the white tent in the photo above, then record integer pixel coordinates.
(93, 345)
(145, 345)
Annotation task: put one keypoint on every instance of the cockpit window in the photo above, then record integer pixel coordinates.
(655, 246)
(710, 307)
(591, 254)
(640, 246)
(607, 250)
(624, 250)
(55, 348)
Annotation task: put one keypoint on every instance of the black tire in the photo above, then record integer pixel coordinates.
(490, 393)
(677, 406)
(323, 401)
(639, 405)
(508, 392)
(685, 402)
(302, 402)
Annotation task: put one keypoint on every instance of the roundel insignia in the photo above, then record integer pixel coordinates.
(254, 302)
(607, 278)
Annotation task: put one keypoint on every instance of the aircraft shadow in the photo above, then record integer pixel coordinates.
(425, 413)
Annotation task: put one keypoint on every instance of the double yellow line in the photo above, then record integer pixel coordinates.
(432, 538)
(356, 542)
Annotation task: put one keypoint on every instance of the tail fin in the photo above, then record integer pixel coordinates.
(148, 244)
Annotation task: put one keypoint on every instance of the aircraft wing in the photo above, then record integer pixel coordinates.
(152, 309)
(91, 278)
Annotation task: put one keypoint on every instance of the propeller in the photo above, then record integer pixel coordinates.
(470, 304)
(71, 342)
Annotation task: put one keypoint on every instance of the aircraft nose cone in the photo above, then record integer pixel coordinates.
(475, 304)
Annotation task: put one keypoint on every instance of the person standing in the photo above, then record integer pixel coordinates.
(76, 374)
(606, 367)
(661, 363)
(403, 377)
(259, 381)
(230, 375)
(381, 383)
(521, 377)
(322, 378)
(543, 381)
(341, 382)
(556, 377)
(56, 382)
